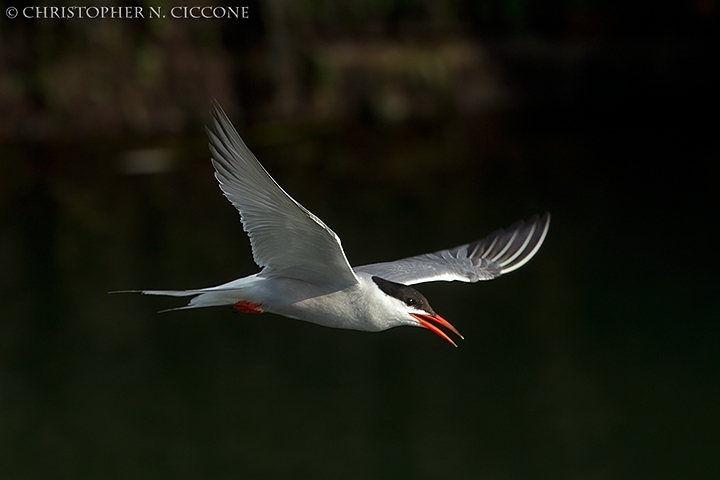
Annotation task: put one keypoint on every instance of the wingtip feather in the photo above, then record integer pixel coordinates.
(533, 245)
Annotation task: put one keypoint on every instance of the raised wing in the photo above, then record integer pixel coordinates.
(286, 238)
(503, 251)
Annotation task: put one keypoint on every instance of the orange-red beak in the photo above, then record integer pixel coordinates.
(429, 321)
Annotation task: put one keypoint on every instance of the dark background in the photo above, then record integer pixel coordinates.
(407, 126)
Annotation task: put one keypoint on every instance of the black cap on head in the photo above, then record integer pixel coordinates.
(408, 295)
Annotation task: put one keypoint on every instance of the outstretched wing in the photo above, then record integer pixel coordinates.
(286, 238)
(501, 252)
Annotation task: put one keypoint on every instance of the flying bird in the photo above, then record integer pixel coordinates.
(304, 272)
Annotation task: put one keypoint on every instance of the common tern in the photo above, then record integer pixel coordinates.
(304, 272)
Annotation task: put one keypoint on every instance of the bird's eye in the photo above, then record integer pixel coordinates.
(409, 301)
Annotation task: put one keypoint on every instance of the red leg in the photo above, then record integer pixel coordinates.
(243, 306)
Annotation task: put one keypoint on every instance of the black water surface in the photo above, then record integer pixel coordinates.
(596, 360)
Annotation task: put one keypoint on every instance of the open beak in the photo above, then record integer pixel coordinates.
(429, 321)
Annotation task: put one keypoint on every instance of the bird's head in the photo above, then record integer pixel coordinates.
(413, 308)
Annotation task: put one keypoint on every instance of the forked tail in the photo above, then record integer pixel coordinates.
(226, 294)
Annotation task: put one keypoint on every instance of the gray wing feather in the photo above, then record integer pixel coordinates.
(286, 238)
(503, 251)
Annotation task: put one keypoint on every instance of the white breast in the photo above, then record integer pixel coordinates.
(359, 307)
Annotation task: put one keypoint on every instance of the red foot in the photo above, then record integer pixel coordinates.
(243, 306)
